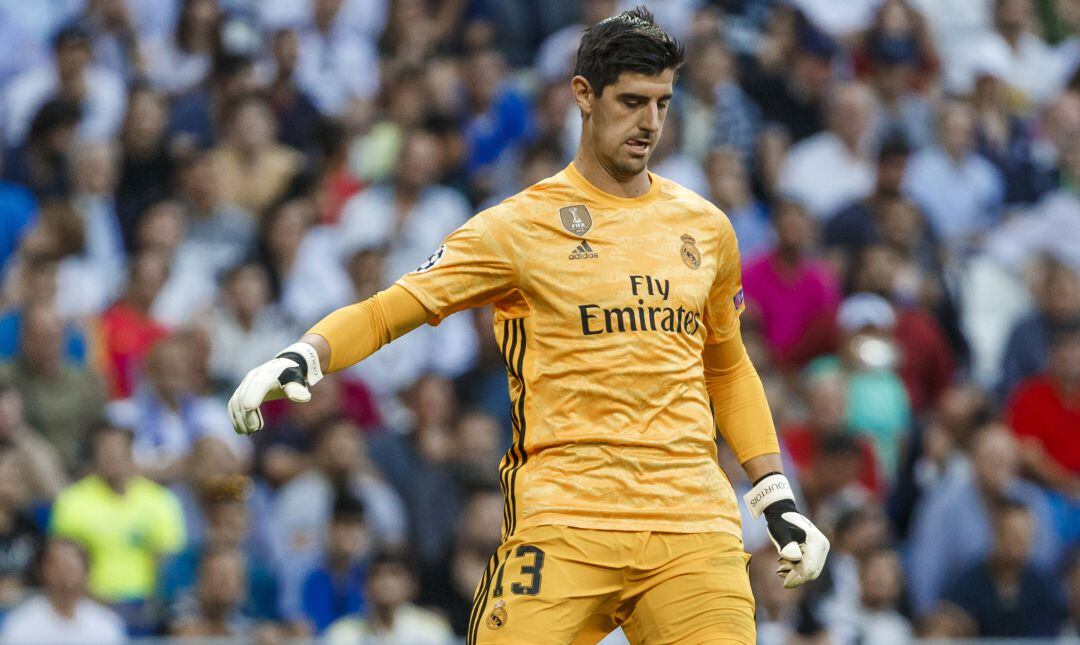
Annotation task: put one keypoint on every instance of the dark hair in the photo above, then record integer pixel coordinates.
(54, 543)
(71, 34)
(628, 42)
(840, 445)
(185, 29)
(1064, 332)
(390, 558)
(1006, 505)
(57, 113)
(347, 507)
(895, 145)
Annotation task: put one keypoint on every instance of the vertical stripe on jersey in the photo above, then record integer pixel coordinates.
(514, 355)
(476, 616)
(521, 431)
(505, 463)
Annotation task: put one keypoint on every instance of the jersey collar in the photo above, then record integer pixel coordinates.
(608, 199)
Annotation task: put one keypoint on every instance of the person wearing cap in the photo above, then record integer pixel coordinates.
(868, 356)
(71, 76)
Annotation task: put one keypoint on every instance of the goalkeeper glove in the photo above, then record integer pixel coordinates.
(288, 375)
(801, 546)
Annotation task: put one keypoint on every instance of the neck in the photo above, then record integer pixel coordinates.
(64, 603)
(384, 616)
(245, 319)
(1007, 573)
(406, 194)
(852, 146)
(599, 174)
(118, 484)
(955, 155)
(788, 256)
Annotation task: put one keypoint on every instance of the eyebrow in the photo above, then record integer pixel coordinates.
(642, 97)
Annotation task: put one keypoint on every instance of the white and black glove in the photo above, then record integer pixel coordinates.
(288, 375)
(801, 546)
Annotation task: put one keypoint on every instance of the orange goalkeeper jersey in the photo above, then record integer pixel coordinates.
(602, 307)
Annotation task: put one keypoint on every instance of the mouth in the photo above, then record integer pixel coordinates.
(638, 147)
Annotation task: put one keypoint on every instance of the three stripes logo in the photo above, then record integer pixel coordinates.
(583, 252)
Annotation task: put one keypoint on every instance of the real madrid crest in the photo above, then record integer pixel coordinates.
(576, 219)
(689, 252)
(497, 618)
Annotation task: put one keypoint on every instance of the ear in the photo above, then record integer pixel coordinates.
(583, 94)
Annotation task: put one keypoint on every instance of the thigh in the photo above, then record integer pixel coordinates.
(694, 588)
(547, 584)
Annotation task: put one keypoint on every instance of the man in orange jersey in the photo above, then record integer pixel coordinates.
(617, 296)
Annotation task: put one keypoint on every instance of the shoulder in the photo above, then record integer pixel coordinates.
(349, 629)
(152, 491)
(693, 202)
(426, 619)
(86, 487)
(521, 210)
(101, 616)
(822, 143)
(25, 620)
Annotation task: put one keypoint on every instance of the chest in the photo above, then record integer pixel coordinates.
(648, 258)
(120, 526)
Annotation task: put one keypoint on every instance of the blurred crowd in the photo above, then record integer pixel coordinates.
(188, 185)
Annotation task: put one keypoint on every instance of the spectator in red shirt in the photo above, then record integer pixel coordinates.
(1045, 414)
(126, 331)
(826, 402)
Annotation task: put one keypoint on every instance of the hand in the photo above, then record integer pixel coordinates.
(288, 375)
(801, 546)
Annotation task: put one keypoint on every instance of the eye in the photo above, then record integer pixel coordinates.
(663, 105)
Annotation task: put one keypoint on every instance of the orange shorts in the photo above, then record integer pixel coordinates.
(563, 585)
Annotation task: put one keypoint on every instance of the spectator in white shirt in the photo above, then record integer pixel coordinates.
(834, 167)
(72, 77)
(183, 59)
(1032, 65)
(960, 191)
(62, 613)
(245, 326)
(410, 216)
(337, 65)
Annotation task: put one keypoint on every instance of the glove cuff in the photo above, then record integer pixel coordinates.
(312, 370)
(769, 489)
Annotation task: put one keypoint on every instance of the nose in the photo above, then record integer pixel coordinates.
(650, 118)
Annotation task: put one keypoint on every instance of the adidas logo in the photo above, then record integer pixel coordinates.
(583, 252)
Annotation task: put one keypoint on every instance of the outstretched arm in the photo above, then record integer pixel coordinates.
(743, 418)
(351, 334)
(345, 337)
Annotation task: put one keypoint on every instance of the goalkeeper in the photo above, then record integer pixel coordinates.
(617, 296)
